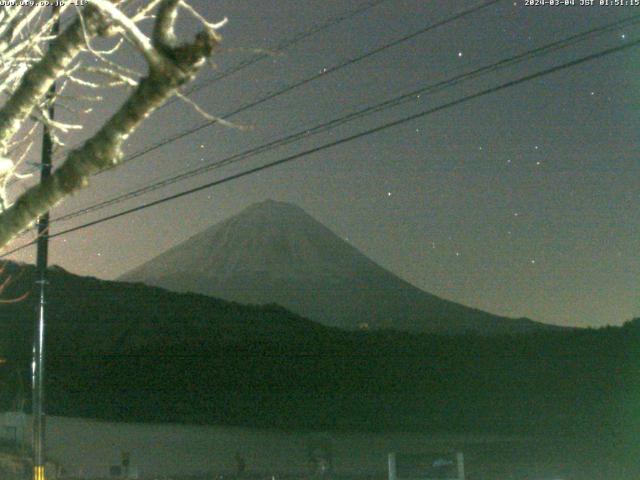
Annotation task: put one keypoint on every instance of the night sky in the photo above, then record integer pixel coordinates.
(524, 202)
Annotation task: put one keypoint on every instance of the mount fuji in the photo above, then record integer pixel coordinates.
(274, 252)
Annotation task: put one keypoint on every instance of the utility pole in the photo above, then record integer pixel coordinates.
(41, 266)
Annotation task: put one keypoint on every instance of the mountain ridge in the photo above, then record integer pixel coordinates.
(274, 252)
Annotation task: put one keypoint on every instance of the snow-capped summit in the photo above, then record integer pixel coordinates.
(274, 252)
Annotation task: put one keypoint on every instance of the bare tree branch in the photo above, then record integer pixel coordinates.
(170, 66)
(38, 79)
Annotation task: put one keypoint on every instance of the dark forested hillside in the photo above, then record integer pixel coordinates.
(130, 352)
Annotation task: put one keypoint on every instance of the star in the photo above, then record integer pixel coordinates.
(623, 36)
(459, 54)
(388, 194)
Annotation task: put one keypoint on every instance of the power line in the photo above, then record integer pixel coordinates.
(311, 78)
(308, 132)
(291, 87)
(324, 73)
(282, 46)
(305, 81)
(350, 138)
(332, 21)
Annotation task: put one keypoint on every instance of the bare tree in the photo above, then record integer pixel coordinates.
(32, 59)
